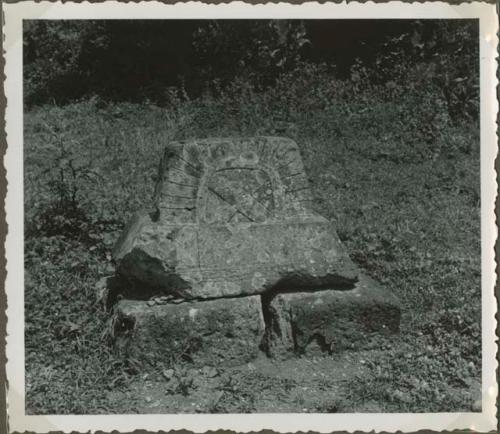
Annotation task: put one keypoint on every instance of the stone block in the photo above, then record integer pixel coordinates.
(232, 241)
(331, 320)
(209, 261)
(232, 218)
(217, 332)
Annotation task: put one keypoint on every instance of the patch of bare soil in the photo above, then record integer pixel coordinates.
(314, 384)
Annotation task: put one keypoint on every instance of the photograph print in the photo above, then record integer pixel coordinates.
(252, 216)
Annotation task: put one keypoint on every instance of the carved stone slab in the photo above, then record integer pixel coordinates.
(231, 180)
(233, 219)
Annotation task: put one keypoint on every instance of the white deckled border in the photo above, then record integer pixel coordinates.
(18, 421)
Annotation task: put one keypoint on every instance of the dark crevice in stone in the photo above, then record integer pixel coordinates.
(270, 323)
(155, 215)
(121, 286)
(115, 286)
(278, 334)
(266, 312)
(304, 283)
(123, 325)
(151, 275)
(294, 329)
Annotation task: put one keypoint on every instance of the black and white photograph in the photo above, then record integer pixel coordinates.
(254, 216)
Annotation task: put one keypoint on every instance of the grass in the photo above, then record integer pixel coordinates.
(397, 175)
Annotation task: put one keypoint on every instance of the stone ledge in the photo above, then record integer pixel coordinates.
(222, 260)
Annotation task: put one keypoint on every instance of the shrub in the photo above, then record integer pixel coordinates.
(123, 60)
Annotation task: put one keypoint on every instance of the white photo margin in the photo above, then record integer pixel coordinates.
(13, 161)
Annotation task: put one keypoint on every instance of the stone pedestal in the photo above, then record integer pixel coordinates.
(219, 332)
(241, 260)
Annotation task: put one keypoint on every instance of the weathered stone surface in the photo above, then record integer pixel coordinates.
(330, 319)
(232, 220)
(225, 331)
(209, 261)
(232, 179)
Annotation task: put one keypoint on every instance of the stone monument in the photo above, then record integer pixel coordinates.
(232, 261)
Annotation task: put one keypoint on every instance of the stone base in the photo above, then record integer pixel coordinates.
(226, 331)
(329, 320)
(231, 331)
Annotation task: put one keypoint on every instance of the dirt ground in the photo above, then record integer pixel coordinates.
(313, 383)
(307, 384)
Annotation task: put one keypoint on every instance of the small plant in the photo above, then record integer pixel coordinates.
(64, 214)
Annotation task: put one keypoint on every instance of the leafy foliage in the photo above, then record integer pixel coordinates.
(56, 58)
(153, 60)
(255, 51)
(443, 53)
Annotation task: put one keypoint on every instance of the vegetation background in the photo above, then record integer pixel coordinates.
(387, 117)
